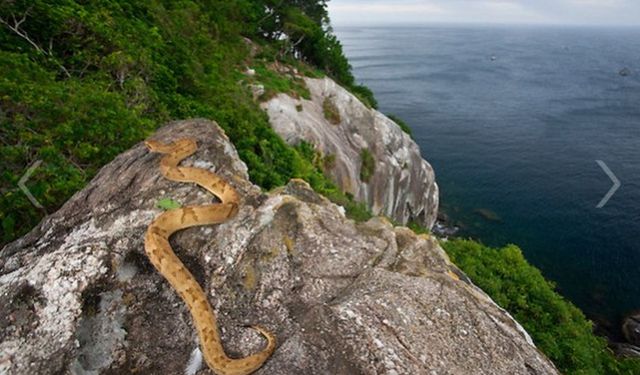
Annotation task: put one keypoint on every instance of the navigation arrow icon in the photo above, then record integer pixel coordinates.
(23, 187)
(614, 188)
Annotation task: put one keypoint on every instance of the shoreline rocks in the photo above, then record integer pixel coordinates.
(626, 350)
(443, 228)
(631, 329)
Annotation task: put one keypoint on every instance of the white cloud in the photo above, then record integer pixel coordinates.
(423, 8)
(345, 12)
(620, 12)
(597, 3)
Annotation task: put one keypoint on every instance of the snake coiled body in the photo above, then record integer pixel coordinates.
(169, 265)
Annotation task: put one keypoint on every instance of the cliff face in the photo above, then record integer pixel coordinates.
(78, 295)
(401, 184)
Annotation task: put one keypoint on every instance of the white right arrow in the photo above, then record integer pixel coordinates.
(614, 188)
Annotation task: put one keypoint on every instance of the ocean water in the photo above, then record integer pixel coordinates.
(513, 120)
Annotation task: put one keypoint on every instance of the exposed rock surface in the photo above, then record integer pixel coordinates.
(402, 186)
(78, 295)
(626, 350)
(631, 329)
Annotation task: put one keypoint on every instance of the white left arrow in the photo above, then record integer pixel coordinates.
(23, 180)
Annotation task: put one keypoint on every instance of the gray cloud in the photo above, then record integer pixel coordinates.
(594, 12)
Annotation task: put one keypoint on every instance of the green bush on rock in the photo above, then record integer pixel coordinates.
(403, 125)
(557, 327)
(368, 165)
(331, 112)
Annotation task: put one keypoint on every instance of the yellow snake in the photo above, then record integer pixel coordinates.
(158, 249)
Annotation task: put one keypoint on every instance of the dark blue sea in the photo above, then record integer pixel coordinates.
(513, 120)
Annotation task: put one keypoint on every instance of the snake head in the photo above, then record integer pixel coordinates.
(153, 146)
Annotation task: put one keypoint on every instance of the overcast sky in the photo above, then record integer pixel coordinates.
(591, 12)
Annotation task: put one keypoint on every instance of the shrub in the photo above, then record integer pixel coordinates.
(331, 112)
(558, 328)
(94, 78)
(403, 125)
(364, 94)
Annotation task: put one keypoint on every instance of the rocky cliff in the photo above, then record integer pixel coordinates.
(631, 331)
(78, 295)
(368, 154)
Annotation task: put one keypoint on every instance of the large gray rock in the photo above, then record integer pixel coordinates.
(78, 295)
(403, 185)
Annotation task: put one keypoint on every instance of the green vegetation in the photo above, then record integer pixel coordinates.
(83, 81)
(275, 82)
(328, 162)
(368, 166)
(307, 25)
(557, 327)
(330, 111)
(354, 210)
(417, 228)
(403, 125)
(364, 95)
(167, 204)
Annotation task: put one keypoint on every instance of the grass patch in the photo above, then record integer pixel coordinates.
(418, 228)
(275, 82)
(367, 166)
(331, 112)
(328, 162)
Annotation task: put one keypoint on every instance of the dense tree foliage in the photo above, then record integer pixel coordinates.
(302, 29)
(558, 328)
(83, 81)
